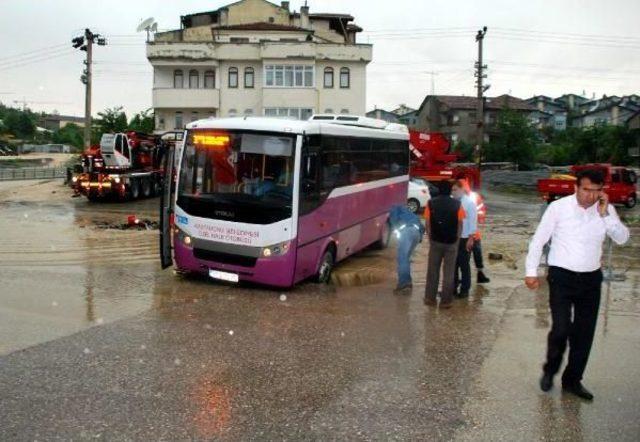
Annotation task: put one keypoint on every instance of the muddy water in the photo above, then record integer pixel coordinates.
(59, 274)
(344, 360)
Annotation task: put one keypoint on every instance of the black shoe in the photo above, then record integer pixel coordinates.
(578, 389)
(462, 295)
(403, 289)
(482, 278)
(430, 302)
(546, 382)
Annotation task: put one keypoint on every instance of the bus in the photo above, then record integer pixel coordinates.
(277, 202)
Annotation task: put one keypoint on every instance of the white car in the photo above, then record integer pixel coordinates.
(419, 194)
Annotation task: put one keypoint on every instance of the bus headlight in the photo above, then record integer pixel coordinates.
(74, 179)
(276, 250)
(116, 179)
(184, 238)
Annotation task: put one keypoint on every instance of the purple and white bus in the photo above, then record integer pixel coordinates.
(275, 201)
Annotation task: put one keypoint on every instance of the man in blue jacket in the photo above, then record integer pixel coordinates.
(409, 231)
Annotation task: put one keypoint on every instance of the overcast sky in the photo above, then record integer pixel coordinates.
(545, 47)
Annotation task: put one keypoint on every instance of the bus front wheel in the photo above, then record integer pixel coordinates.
(326, 267)
(631, 202)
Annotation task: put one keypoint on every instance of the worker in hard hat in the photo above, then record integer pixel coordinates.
(409, 231)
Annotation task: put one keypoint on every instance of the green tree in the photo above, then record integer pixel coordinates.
(112, 120)
(514, 140)
(464, 149)
(143, 122)
(20, 124)
(71, 134)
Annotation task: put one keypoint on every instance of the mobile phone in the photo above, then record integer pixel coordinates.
(602, 202)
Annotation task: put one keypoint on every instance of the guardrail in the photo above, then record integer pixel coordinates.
(32, 173)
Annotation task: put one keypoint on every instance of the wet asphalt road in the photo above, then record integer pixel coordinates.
(97, 343)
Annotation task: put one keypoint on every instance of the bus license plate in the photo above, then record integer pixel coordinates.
(224, 276)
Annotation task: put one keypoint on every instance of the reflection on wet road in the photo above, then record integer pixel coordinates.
(97, 342)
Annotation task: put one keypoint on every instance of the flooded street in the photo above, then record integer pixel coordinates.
(96, 342)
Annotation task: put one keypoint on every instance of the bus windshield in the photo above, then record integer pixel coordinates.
(237, 176)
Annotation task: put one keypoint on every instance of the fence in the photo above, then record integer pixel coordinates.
(32, 173)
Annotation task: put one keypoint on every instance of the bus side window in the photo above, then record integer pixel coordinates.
(398, 158)
(309, 176)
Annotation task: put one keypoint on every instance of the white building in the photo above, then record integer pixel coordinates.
(256, 58)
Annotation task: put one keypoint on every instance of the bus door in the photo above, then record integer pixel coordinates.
(166, 208)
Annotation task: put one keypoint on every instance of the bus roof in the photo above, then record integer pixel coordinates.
(268, 124)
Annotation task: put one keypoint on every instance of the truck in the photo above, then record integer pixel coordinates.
(433, 160)
(124, 166)
(619, 184)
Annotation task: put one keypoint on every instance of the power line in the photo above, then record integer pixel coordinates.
(25, 54)
(51, 57)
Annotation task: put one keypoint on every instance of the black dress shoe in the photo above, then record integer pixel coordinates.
(578, 389)
(462, 295)
(482, 278)
(546, 382)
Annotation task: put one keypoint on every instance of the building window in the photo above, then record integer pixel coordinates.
(179, 122)
(233, 77)
(289, 112)
(345, 78)
(232, 112)
(328, 111)
(194, 79)
(328, 77)
(194, 116)
(178, 79)
(209, 79)
(248, 112)
(344, 111)
(288, 76)
(248, 78)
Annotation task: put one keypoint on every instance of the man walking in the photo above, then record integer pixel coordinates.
(465, 244)
(444, 223)
(577, 226)
(409, 231)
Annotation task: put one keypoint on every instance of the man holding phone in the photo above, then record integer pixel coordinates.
(577, 226)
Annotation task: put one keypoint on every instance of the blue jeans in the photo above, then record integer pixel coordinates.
(463, 267)
(407, 243)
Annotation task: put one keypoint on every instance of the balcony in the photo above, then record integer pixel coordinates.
(169, 98)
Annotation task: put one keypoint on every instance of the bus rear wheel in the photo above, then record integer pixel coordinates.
(631, 202)
(326, 267)
(385, 237)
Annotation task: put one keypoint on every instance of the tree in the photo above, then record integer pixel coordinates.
(514, 140)
(143, 121)
(112, 120)
(19, 123)
(464, 149)
(71, 134)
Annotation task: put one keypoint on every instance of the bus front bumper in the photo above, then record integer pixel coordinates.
(275, 271)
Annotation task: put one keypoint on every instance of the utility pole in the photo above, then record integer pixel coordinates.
(433, 81)
(480, 75)
(85, 43)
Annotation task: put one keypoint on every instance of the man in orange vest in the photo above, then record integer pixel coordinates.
(477, 245)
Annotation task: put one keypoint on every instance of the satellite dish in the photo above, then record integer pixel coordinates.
(154, 27)
(145, 25)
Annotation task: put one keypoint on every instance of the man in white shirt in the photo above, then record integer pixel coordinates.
(577, 226)
(467, 237)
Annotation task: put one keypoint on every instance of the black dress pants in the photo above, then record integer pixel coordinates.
(574, 299)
